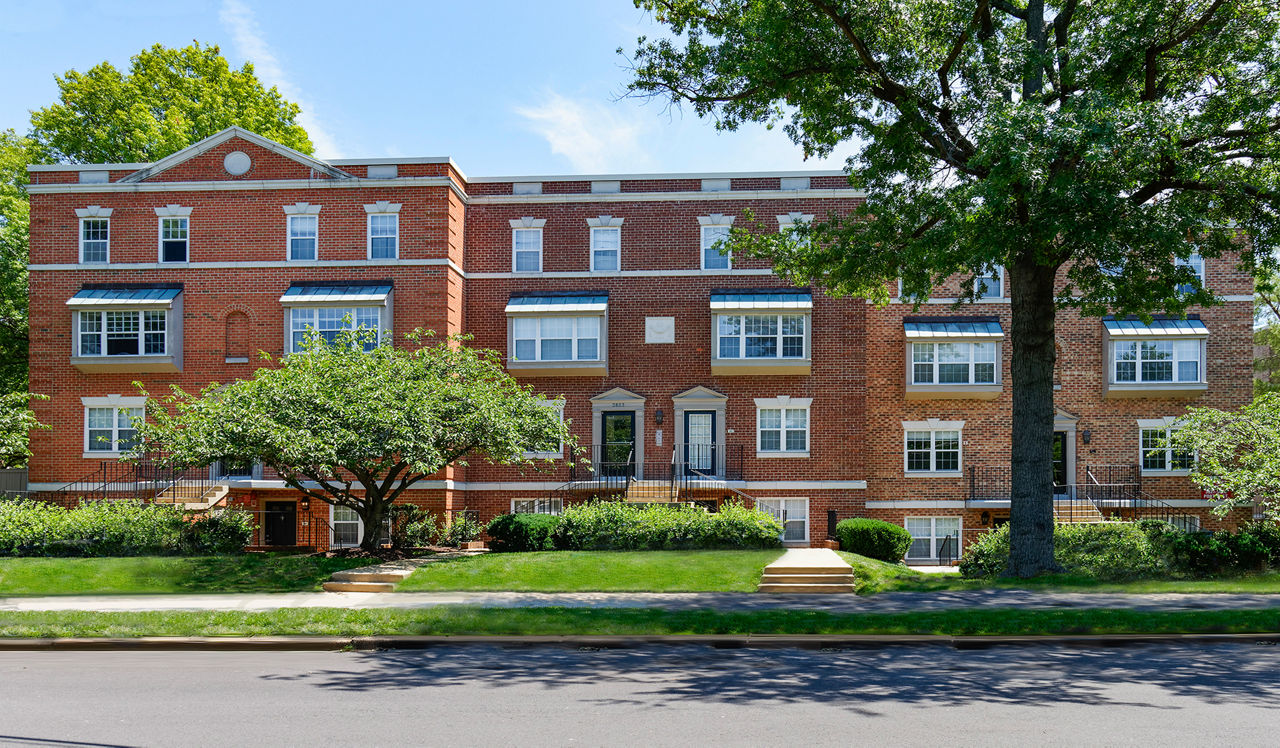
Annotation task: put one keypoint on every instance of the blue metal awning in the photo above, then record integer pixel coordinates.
(1158, 328)
(967, 329)
(336, 293)
(557, 304)
(124, 296)
(762, 300)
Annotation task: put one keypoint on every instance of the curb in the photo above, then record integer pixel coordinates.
(738, 641)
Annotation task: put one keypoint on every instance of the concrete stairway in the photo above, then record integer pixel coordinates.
(195, 495)
(649, 491)
(1076, 511)
(811, 570)
(378, 578)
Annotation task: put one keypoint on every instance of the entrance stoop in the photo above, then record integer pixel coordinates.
(811, 570)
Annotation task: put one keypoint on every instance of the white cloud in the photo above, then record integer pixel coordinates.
(594, 137)
(252, 45)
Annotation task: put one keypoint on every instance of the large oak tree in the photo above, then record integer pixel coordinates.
(1093, 140)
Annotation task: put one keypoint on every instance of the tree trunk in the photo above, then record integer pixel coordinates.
(1031, 451)
(373, 513)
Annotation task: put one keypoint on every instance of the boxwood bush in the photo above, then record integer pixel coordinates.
(116, 528)
(615, 526)
(874, 538)
(523, 532)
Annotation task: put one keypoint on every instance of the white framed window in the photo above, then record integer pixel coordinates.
(95, 240)
(1185, 522)
(606, 248)
(782, 426)
(537, 506)
(109, 424)
(929, 534)
(932, 447)
(1156, 448)
(1196, 263)
(123, 333)
(792, 513)
(303, 236)
(526, 250)
(347, 526)
(762, 336)
(989, 283)
(1164, 360)
(555, 338)
(712, 258)
(553, 450)
(954, 363)
(328, 322)
(174, 237)
(789, 223)
(384, 236)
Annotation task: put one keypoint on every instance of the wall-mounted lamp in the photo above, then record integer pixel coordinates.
(304, 504)
(986, 518)
(1085, 436)
(657, 416)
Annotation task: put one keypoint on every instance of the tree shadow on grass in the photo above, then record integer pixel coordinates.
(855, 679)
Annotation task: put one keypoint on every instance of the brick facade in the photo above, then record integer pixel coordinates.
(454, 273)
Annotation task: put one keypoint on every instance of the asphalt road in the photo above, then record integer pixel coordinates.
(685, 695)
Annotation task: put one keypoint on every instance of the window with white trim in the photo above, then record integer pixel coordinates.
(989, 283)
(123, 333)
(303, 234)
(110, 430)
(789, 226)
(95, 239)
(384, 236)
(928, 534)
(537, 506)
(1166, 360)
(932, 450)
(328, 322)
(953, 363)
(526, 250)
(762, 335)
(606, 247)
(555, 338)
(712, 258)
(347, 527)
(792, 513)
(1159, 453)
(552, 450)
(782, 430)
(1196, 263)
(174, 236)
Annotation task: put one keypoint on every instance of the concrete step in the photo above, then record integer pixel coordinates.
(370, 576)
(787, 578)
(359, 587)
(846, 569)
(820, 589)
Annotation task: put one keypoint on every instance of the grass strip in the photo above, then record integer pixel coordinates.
(462, 620)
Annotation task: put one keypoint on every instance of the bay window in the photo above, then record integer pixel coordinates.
(329, 322)
(762, 336)
(556, 339)
(1163, 358)
(953, 363)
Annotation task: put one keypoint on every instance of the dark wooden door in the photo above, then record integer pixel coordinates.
(280, 523)
(618, 429)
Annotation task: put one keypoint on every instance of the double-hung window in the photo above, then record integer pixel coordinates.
(109, 424)
(1163, 358)
(123, 333)
(384, 236)
(551, 449)
(606, 244)
(1158, 452)
(989, 283)
(1196, 263)
(932, 447)
(173, 238)
(556, 338)
(328, 322)
(1157, 361)
(953, 363)
(526, 250)
(303, 234)
(767, 336)
(782, 427)
(791, 224)
(95, 240)
(713, 239)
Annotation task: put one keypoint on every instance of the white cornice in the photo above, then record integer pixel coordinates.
(695, 175)
(644, 197)
(246, 184)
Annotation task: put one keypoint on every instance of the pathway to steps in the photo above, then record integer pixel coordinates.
(385, 576)
(808, 570)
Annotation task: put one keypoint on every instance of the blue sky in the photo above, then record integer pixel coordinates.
(517, 87)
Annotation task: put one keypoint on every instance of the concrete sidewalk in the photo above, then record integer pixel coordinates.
(893, 602)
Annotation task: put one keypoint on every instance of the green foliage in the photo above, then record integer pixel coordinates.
(611, 525)
(463, 528)
(16, 422)
(166, 100)
(523, 532)
(15, 153)
(116, 528)
(873, 538)
(387, 417)
(1237, 453)
(412, 526)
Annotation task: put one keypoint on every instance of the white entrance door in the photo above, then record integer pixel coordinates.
(700, 430)
(792, 513)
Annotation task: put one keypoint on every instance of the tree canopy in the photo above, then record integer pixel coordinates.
(354, 428)
(16, 421)
(1237, 453)
(1095, 142)
(167, 100)
(15, 153)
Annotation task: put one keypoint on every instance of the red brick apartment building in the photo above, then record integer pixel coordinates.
(688, 375)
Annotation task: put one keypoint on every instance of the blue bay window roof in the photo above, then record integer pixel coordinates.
(1132, 327)
(761, 299)
(124, 296)
(953, 328)
(559, 303)
(336, 293)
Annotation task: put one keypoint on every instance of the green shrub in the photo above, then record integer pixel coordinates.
(616, 526)
(222, 533)
(462, 529)
(115, 528)
(1114, 551)
(874, 538)
(412, 526)
(523, 532)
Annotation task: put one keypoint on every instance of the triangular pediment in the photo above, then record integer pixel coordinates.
(1061, 415)
(204, 161)
(617, 394)
(700, 393)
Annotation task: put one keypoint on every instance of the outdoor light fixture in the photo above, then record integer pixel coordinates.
(986, 518)
(1085, 436)
(657, 416)
(304, 504)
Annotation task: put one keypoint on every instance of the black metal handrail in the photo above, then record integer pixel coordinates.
(948, 551)
(1102, 482)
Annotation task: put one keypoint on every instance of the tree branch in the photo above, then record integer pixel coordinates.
(1151, 57)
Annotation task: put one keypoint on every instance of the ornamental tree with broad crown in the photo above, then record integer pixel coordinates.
(1237, 453)
(355, 428)
(1082, 146)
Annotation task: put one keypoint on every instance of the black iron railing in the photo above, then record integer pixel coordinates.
(1102, 482)
(948, 549)
(606, 471)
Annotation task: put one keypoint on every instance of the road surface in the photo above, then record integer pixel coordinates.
(683, 695)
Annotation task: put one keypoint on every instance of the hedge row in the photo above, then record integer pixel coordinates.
(117, 528)
(1141, 550)
(614, 526)
(874, 538)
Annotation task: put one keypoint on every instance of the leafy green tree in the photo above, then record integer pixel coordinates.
(1078, 145)
(354, 428)
(16, 421)
(15, 153)
(1266, 334)
(1237, 453)
(167, 100)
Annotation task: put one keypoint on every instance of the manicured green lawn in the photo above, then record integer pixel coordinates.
(596, 571)
(451, 620)
(252, 572)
